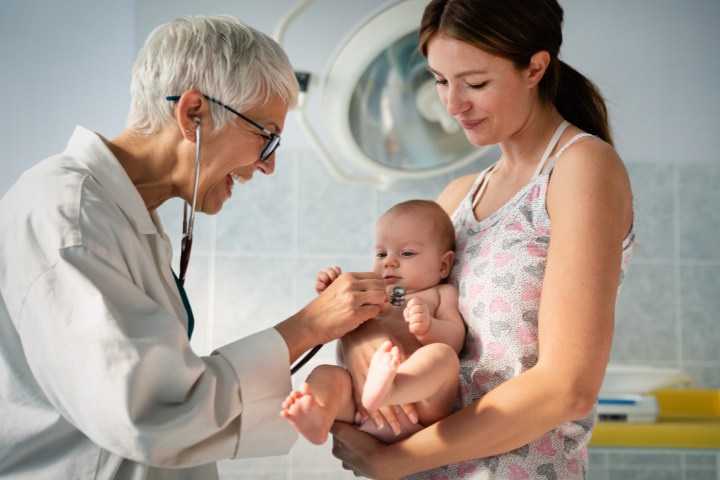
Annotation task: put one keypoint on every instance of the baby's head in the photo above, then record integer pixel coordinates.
(414, 245)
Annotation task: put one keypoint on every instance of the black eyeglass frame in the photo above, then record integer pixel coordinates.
(273, 138)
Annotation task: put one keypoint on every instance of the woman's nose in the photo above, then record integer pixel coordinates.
(455, 101)
(268, 166)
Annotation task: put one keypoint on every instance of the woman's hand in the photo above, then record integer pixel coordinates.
(359, 452)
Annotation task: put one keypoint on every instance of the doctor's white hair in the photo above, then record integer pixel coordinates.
(221, 57)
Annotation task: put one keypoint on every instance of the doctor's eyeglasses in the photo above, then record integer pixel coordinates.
(273, 139)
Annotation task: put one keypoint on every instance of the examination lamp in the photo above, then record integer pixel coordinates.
(379, 105)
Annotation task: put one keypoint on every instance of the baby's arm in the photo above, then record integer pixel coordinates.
(326, 277)
(446, 326)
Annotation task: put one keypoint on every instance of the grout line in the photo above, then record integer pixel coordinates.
(683, 466)
(676, 270)
(675, 261)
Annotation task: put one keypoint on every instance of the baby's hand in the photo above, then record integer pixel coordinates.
(417, 316)
(326, 277)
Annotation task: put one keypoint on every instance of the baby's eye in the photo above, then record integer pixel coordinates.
(407, 254)
(380, 255)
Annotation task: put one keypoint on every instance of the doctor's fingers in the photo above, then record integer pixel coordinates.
(361, 281)
(358, 290)
(337, 312)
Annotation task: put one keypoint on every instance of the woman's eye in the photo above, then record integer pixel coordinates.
(477, 86)
(440, 82)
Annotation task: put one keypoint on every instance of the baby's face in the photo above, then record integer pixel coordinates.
(408, 253)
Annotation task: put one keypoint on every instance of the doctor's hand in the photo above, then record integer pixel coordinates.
(349, 301)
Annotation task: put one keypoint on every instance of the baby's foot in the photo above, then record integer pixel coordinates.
(304, 413)
(379, 382)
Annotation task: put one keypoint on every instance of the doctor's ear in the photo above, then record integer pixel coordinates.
(192, 107)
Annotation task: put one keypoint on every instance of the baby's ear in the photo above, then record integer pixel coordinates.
(446, 262)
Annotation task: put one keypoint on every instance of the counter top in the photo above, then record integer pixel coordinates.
(689, 419)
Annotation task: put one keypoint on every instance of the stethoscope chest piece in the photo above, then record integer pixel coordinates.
(397, 297)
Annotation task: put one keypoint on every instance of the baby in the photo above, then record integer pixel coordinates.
(414, 249)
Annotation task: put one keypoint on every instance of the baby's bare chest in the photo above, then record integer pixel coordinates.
(393, 320)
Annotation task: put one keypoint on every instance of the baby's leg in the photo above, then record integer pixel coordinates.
(380, 377)
(324, 398)
(428, 378)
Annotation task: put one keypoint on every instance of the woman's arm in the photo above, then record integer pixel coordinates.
(591, 210)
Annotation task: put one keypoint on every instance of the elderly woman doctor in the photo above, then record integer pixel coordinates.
(97, 377)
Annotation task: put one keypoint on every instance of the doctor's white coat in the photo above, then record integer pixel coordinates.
(97, 378)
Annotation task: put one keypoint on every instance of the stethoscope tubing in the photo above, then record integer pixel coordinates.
(189, 225)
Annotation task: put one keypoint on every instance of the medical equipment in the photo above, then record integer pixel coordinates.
(186, 243)
(379, 108)
(397, 297)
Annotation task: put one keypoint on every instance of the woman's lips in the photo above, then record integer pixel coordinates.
(470, 124)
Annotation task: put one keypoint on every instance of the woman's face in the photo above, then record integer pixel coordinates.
(487, 95)
(233, 155)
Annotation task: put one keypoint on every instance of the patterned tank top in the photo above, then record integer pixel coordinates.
(499, 269)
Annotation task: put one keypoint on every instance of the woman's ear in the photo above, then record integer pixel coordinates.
(192, 108)
(536, 68)
(446, 262)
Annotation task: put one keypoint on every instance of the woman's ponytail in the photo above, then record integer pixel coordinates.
(579, 101)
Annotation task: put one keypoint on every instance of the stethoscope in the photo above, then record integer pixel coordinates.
(189, 224)
(397, 298)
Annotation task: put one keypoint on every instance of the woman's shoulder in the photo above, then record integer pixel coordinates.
(590, 173)
(584, 157)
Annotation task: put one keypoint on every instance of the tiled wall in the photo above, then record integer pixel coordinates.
(255, 262)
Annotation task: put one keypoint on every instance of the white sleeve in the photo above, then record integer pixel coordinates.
(119, 367)
(262, 391)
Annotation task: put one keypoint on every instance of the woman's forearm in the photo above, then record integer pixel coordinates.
(508, 417)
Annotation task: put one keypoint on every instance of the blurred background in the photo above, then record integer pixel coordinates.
(656, 61)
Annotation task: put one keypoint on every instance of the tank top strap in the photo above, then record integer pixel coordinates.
(481, 182)
(565, 147)
(553, 141)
